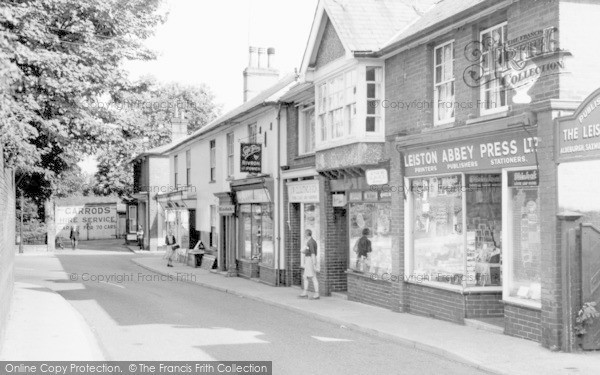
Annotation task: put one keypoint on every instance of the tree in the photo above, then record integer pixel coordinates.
(141, 118)
(53, 55)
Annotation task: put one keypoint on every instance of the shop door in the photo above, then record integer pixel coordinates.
(590, 275)
(194, 234)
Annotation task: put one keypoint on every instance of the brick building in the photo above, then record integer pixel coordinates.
(7, 241)
(452, 105)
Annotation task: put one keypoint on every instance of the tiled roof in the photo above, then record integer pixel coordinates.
(267, 96)
(153, 151)
(443, 10)
(367, 25)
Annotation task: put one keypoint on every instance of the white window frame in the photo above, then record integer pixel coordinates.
(378, 100)
(441, 65)
(175, 171)
(188, 168)
(304, 115)
(230, 154)
(252, 133)
(507, 256)
(212, 144)
(482, 89)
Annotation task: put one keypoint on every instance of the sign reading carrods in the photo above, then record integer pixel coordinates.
(251, 158)
(502, 151)
(94, 221)
(579, 135)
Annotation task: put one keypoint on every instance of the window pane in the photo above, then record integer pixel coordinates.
(371, 74)
(438, 56)
(484, 229)
(438, 238)
(524, 232)
(438, 74)
(370, 240)
(256, 230)
(370, 122)
(371, 91)
(266, 243)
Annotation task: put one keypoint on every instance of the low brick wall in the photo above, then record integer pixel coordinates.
(267, 275)
(484, 305)
(363, 289)
(436, 303)
(523, 322)
(247, 269)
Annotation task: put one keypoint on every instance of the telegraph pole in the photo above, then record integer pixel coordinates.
(21, 224)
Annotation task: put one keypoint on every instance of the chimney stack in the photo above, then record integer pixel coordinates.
(260, 73)
(179, 125)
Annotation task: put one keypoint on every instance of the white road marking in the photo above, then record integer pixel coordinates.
(118, 286)
(329, 339)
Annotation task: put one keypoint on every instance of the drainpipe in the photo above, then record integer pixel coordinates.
(278, 202)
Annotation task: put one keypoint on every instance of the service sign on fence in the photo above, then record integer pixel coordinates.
(94, 221)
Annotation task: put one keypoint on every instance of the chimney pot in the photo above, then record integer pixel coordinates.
(271, 58)
(253, 57)
(262, 61)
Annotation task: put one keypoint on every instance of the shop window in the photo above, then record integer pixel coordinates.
(370, 239)
(578, 190)
(213, 226)
(252, 133)
(438, 247)
(257, 232)
(444, 249)
(132, 219)
(444, 83)
(524, 238)
(494, 92)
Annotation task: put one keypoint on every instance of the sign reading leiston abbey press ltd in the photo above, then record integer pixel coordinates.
(579, 135)
(514, 149)
(251, 158)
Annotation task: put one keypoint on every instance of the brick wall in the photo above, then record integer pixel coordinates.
(484, 305)
(372, 292)
(7, 242)
(522, 322)
(293, 159)
(334, 226)
(247, 269)
(267, 275)
(436, 303)
(293, 272)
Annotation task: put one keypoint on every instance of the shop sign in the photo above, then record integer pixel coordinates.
(377, 176)
(252, 196)
(478, 181)
(251, 157)
(339, 200)
(355, 196)
(370, 196)
(303, 191)
(579, 135)
(94, 221)
(226, 209)
(494, 152)
(523, 178)
(385, 194)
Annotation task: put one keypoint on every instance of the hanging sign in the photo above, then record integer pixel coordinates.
(251, 158)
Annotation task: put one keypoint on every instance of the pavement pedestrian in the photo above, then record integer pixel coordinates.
(171, 247)
(74, 236)
(362, 248)
(310, 261)
(140, 236)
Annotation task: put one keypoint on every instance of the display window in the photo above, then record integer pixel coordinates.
(257, 232)
(456, 226)
(370, 239)
(311, 220)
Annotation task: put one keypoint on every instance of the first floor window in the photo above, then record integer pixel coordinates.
(374, 81)
(444, 83)
(230, 154)
(494, 93)
(307, 131)
(524, 237)
(213, 160)
(370, 239)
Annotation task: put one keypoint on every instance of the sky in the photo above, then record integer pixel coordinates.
(207, 42)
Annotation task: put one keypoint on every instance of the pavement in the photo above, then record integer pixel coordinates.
(43, 326)
(488, 351)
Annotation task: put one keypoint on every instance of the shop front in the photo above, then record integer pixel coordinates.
(179, 218)
(255, 214)
(304, 212)
(472, 227)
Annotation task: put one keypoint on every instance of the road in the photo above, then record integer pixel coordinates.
(140, 317)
